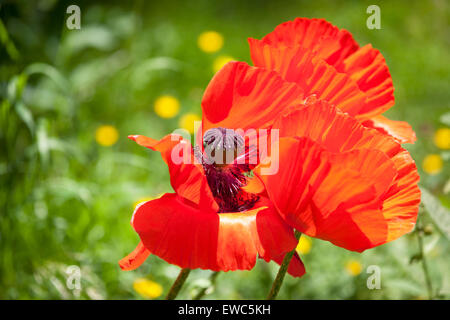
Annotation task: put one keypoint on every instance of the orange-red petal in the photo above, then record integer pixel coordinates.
(296, 267)
(312, 74)
(368, 68)
(365, 68)
(177, 231)
(243, 97)
(400, 130)
(401, 202)
(318, 35)
(336, 131)
(365, 150)
(335, 197)
(254, 185)
(186, 175)
(135, 258)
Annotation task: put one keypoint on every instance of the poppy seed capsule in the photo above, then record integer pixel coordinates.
(222, 145)
(225, 178)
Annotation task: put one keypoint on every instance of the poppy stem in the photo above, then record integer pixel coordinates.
(276, 286)
(212, 280)
(176, 287)
(419, 232)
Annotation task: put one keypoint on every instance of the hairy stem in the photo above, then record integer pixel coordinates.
(176, 287)
(276, 286)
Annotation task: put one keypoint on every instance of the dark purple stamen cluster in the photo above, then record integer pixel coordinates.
(221, 138)
(226, 181)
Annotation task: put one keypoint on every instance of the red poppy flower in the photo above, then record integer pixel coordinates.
(342, 176)
(210, 222)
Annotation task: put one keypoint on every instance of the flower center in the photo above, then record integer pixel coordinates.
(225, 176)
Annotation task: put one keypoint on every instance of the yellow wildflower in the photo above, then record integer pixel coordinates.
(442, 138)
(167, 106)
(353, 267)
(147, 288)
(304, 245)
(432, 164)
(210, 41)
(106, 135)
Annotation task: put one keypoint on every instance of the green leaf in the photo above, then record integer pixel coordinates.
(43, 144)
(438, 213)
(6, 41)
(51, 72)
(16, 86)
(25, 114)
(145, 71)
(64, 189)
(98, 37)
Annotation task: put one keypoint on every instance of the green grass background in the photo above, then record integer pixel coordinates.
(65, 200)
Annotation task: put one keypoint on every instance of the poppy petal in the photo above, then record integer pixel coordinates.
(254, 185)
(401, 202)
(186, 175)
(334, 130)
(325, 194)
(377, 167)
(312, 74)
(180, 233)
(243, 97)
(337, 132)
(296, 267)
(135, 258)
(400, 130)
(348, 217)
(303, 169)
(368, 68)
(317, 35)
(302, 32)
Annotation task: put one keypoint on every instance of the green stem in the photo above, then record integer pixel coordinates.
(276, 286)
(176, 287)
(424, 260)
(202, 292)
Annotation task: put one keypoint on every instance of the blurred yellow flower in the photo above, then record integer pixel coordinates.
(147, 288)
(304, 245)
(353, 267)
(210, 41)
(106, 135)
(220, 61)
(432, 164)
(145, 199)
(442, 138)
(167, 107)
(187, 121)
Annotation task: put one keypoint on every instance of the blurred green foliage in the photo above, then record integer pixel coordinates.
(66, 200)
